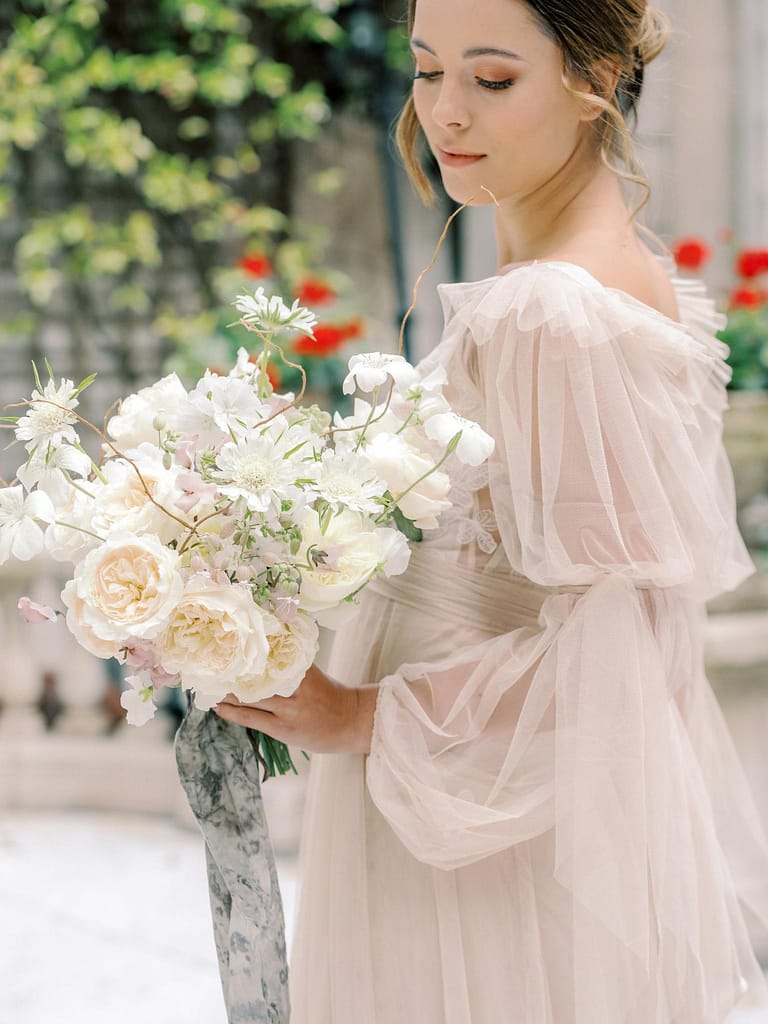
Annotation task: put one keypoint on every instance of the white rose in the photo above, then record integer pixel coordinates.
(292, 649)
(141, 414)
(401, 465)
(126, 587)
(359, 552)
(123, 503)
(216, 638)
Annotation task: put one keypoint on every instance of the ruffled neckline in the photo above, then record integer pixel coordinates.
(699, 318)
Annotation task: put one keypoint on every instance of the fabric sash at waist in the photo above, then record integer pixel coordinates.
(493, 601)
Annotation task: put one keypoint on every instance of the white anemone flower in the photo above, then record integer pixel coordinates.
(50, 419)
(348, 480)
(370, 370)
(50, 468)
(269, 313)
(474, 445)
(258, 471)
(21, 536)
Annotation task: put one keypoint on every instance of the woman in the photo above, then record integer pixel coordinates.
(550, 824)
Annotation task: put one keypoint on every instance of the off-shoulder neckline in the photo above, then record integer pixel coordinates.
(578, 271)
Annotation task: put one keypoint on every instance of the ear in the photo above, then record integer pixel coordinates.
(606, 74)
(597, 90)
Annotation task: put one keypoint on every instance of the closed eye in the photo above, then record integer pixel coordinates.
(428, 75)
(488, 84)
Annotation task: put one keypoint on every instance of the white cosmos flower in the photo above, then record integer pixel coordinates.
(218, 408)
(270, 312)
(370, 370)
(20, 533)
(474, 445)
(258, 471)
(50, 419)
(347, 479)
(49, 469)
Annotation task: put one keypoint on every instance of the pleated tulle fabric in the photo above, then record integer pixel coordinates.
(552, 826)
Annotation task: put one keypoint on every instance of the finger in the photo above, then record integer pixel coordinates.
(274, 705)
(251, 718)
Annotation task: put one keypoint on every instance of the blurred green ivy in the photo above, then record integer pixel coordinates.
(169, 126)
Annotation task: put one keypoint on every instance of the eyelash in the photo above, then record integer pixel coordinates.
(430, 76)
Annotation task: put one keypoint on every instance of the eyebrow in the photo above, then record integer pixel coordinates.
(476, 51)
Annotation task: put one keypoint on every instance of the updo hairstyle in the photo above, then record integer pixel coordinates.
(608, 44)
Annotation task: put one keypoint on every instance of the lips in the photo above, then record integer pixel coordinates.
(454, 158)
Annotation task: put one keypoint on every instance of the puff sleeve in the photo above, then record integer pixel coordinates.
(613, 494)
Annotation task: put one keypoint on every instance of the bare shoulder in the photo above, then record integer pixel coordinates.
(637, 272)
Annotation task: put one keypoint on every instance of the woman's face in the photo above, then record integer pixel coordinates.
(489, 94)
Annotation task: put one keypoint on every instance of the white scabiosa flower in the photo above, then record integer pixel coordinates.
(348, 480)
(269, 313)
(50, 419)
(258, 471)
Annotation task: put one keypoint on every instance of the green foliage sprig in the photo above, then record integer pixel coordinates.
(130, 130)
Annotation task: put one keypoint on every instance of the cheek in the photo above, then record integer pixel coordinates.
(423, 107)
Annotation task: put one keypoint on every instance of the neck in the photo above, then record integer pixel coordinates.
(582, 199)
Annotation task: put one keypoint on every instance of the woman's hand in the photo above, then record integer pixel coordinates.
(321, 716)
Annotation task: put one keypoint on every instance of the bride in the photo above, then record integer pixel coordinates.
(526, 807)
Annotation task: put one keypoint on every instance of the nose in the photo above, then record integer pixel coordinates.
(451, 109)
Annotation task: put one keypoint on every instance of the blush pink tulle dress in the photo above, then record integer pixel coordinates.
(552, 826)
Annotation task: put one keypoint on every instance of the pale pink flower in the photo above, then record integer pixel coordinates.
(31, 611)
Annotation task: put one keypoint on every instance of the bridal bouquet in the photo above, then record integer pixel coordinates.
(224, 523)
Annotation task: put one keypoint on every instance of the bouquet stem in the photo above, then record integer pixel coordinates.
(272, 755)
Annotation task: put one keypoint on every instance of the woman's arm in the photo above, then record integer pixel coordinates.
(322, 716)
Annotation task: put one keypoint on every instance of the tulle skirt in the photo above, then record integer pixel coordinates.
(572, 843)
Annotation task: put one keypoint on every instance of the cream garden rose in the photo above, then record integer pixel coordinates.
(122, 500)
(126, 587)
(358, 552)
(292, 649)
(215, 638)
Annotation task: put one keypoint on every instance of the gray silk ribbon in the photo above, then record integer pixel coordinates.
(220, 776)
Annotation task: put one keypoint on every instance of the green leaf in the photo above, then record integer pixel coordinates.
(406, 526)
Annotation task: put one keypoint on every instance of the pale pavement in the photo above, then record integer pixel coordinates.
(105, 921)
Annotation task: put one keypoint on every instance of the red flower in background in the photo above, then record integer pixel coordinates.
(691, 253)
(328, 338)
(752, 262)
(747, 298)
(314, 292)
(256, 264)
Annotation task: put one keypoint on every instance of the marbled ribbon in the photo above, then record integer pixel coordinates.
(220, 776)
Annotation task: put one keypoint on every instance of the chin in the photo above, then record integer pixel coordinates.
(466, 194)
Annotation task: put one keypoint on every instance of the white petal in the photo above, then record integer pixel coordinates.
(39, 506)
(28, 540)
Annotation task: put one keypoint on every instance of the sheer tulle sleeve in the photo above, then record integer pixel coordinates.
(610, 488)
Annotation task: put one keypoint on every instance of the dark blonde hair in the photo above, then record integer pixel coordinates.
(606, 43)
